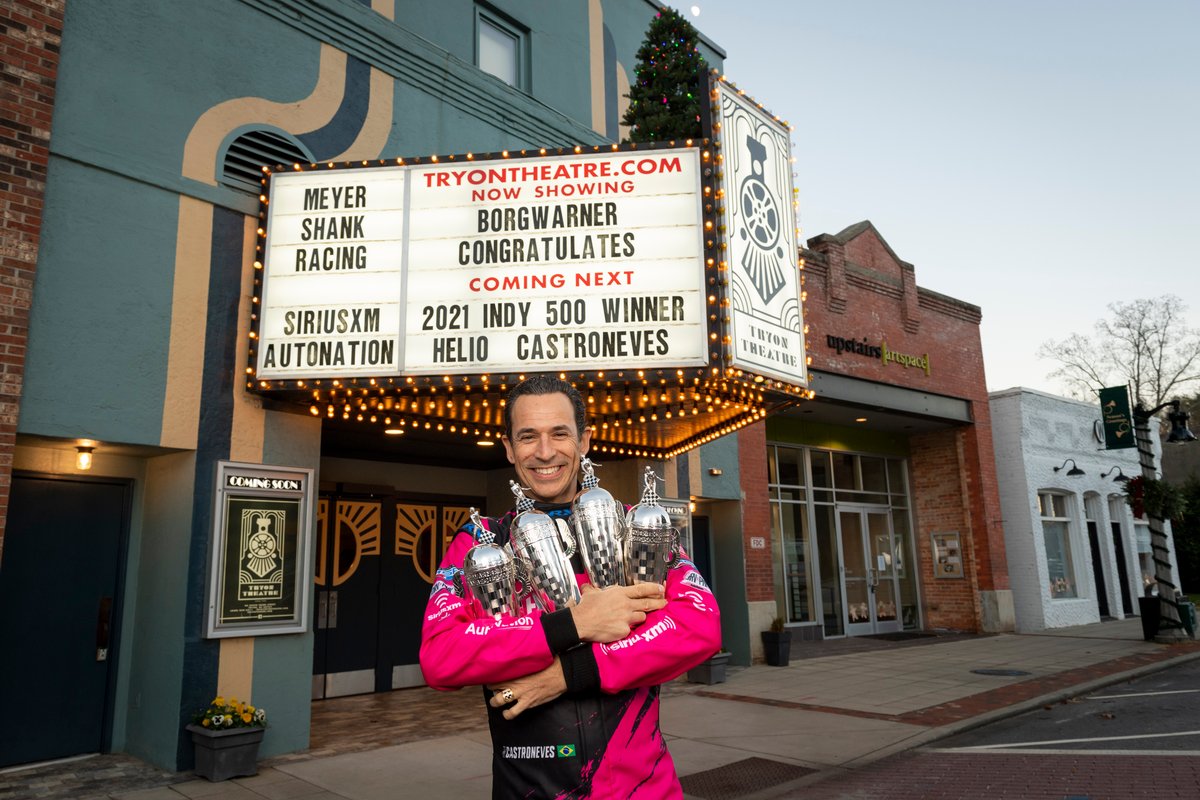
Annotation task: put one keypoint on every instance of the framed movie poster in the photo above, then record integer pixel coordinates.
(260, 566)
(947, 555)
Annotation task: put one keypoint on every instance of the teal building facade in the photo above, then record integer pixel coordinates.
(138, 313)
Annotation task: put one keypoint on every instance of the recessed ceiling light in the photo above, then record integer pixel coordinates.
(860, 419)
(393, 431)
(485, 443)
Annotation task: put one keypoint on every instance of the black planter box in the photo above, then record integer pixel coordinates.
(777, 647)
(225, 754)
(1151, 613)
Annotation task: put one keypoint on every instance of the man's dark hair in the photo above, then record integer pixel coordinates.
(545, 384)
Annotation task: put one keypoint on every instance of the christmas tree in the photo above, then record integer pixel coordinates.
(664, 104)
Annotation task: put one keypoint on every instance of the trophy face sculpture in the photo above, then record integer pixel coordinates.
(544, 563)
(651, 543)
(599, 524)
(491, 574)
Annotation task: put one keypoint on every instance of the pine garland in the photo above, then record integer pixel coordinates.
(1156, 497)
(664, 103)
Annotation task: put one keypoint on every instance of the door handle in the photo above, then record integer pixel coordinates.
(322, 610)
(333, 600)
(103, 628)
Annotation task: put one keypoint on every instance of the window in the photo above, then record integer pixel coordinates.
(1056, 532)
(499, 49)
(805, 483)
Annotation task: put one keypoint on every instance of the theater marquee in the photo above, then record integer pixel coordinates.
(411, 294)
(588, 261)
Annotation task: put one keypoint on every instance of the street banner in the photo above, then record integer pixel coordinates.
(1118, 420)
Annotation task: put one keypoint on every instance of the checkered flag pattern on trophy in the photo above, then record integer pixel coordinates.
(651, 542)
(543, 551)
(491, 574)
(599, 524)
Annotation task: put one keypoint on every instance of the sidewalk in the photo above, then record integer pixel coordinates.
(764, 731)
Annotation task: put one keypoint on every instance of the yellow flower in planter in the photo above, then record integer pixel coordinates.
(230, 714)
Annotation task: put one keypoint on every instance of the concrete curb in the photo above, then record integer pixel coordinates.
(987, 717)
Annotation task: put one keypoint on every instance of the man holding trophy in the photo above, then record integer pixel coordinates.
(571, 671)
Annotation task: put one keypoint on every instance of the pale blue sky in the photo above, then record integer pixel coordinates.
(1035, 158)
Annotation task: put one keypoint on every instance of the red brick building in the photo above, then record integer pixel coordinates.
(30, 33)
(880, 495)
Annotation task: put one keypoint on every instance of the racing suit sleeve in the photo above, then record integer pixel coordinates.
(462, 646)
(671, 641)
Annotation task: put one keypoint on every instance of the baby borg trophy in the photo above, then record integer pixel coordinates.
(651, 543)
(599, 523)
(544, 566)
(491, 574)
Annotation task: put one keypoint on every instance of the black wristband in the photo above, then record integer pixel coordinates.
(559, 627)
(580, 670)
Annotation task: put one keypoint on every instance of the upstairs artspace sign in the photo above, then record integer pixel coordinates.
(583, 261)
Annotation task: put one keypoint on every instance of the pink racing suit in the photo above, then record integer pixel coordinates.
(601, 738)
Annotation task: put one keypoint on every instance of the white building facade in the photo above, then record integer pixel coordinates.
(1076, 554)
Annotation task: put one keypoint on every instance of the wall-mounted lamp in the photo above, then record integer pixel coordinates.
(715, 472)
(1121, 476)
(83, 457)
(1074, 471)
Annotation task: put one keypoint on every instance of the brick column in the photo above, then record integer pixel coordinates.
(30, 35)
(756, 511)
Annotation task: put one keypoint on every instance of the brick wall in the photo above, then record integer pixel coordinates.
(756, 511)
(941, 497)
(30, 34)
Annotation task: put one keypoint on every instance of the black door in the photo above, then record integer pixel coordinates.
(59, 613)
(702, 548)
(349, 542)
(1122, 570)
(376, 559)
(1098, 570)
(422, 531)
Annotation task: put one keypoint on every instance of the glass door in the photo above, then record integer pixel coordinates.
(869, 576)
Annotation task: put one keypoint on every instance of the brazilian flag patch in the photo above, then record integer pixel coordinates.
(566, 751)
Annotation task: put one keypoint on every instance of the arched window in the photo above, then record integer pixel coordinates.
(1056, 533)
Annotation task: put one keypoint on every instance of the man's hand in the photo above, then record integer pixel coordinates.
(606, 615)
(529, 692)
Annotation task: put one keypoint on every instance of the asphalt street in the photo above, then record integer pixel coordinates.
(1160, 712)
(1129, 740)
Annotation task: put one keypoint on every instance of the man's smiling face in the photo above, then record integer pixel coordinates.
(545, 446)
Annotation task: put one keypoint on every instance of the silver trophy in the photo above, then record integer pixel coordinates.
(543, 554)
(651, 543)
(599, 524)
(491, 574)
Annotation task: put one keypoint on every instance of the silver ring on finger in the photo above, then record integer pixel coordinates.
(507, 696)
